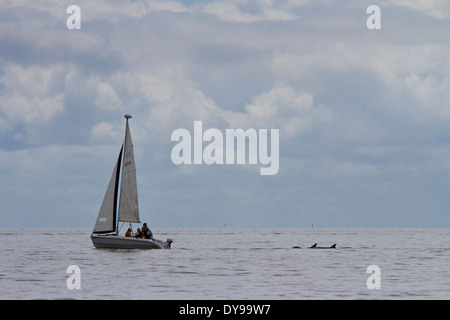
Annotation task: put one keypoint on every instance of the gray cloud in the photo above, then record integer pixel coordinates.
(363, 115)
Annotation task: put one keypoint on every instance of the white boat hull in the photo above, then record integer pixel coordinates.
(121, 242)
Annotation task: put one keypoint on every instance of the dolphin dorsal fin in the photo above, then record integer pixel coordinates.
(314, 245)
(333, 246)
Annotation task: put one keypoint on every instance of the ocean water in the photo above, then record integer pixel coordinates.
(229, 264)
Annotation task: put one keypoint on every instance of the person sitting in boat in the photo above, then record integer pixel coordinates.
(147, 232)
(139, 233)
(128, 233)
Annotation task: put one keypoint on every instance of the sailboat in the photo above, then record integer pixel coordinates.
(120, 204)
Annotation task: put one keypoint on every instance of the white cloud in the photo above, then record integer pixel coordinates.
(282, 108)
(30, 95)
(431, 93)
(413, 73)
(113, 10)
(167, 101)
(107, 97)
(251, 11)
(439, 9)
(106, 132)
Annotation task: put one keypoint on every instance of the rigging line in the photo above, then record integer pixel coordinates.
(121, 226)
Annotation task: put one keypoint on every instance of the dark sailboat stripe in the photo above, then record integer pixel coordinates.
(116, 189)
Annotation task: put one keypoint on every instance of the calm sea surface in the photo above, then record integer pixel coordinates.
(229, 264)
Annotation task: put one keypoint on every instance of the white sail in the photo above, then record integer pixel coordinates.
(128, 207)
(106, 220)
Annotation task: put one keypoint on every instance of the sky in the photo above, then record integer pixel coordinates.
(363, 115)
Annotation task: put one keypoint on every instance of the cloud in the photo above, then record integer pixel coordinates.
(439, 9)
(401, 80)
(112, 10)
(104, 131)
(250, 11)
(357, 110)
(168, 101)
(163, 102)
(30, 95)
(107, 98)
(41, 185)
(282, 107)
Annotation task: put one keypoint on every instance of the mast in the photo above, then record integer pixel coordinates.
(126, 116)
(116, 191)
(128, 208)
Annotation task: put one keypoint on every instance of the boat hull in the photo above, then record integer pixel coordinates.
(120, 242)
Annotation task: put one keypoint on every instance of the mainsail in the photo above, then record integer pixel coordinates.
(128, 208)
